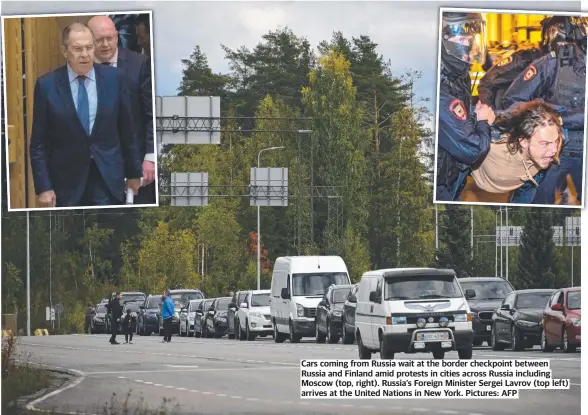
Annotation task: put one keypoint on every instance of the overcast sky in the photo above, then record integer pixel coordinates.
(406, 32)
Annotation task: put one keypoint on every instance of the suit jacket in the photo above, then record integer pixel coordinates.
(137, 69)
(60, 148)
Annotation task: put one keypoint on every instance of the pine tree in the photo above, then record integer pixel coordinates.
(536, 261)
(454, 237)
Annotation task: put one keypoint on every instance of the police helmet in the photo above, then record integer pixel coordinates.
(555, 29)
(464, 36)
(580, 30)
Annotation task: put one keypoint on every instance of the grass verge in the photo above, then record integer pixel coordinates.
(19, 380)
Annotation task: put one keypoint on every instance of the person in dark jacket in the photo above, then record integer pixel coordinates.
(129, 324)
(559, 78)
(463, 135)
(498, 78)
(90, 312)
(115, 309)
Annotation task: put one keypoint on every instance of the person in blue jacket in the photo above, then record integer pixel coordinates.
(167, 312)
(464, 134)
(559, 78)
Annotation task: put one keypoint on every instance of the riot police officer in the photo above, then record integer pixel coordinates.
(498, 78)
(559, 78)
(463, 134)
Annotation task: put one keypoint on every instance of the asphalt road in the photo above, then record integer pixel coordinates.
(222, 376)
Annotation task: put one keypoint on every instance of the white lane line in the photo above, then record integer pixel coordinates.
(214, 369)
(181, 389)
(82, 376)
(182, 366)
(446, 411)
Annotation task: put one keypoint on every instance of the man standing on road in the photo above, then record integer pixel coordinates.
(167, 312)
(115, 314)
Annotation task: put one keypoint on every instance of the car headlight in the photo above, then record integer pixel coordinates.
(256, 314)
(421, 322)
(460, 318)
(575, 322)
(474, 314)
(300, 310)
(443, 322)
(337, 313)
(398, 320)
(526, 323)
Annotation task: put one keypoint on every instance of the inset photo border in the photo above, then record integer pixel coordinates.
(68, 147)
(511, 108)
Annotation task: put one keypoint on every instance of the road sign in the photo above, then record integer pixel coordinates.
(573, 230)
(269, 186)
(175, 116)
(49, 313)
(189, 189)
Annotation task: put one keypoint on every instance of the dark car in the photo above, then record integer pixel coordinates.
(236, 301)
(328, 321)
(98, 323)
(181, 298)
(560, 326)
(147, 322)
(200, 317)
(349, 315)
(518, 320)
(489, 292)
(216, 318)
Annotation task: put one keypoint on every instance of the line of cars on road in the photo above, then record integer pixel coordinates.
(389, 311)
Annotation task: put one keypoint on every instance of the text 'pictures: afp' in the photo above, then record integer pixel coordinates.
(79, 111)
(511, 100)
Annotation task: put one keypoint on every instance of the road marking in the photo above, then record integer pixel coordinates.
(445, 411)
(182, 366)
(214, 369)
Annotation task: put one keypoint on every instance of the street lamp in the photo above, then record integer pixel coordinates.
(259, 223)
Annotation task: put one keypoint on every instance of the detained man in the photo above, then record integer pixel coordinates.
(529, 141)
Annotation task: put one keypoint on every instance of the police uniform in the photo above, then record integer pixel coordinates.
(462, 140)
(498, 78)
(559, 78)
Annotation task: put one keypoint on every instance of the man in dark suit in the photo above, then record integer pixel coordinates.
(83, 143)
(137, 69)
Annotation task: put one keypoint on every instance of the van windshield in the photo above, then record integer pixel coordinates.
(422, 287)
(315, 284)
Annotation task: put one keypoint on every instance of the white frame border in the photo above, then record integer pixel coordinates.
(107, 13)
(498, 11)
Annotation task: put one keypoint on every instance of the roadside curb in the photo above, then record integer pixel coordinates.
(76, 378)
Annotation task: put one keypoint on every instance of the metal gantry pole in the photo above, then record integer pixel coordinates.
(259, 221)
(507, 242)
(28, 276)
(501, 272)
(496, 245)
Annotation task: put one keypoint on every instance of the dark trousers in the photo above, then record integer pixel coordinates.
(167, 329)
(114, 329)
(97, 192)
(129, 334)
(556, 179)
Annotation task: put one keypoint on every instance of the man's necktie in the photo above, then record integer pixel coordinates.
(106, 63)
(83, 104)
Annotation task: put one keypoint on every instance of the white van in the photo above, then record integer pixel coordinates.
(298, 285)
(412, 310)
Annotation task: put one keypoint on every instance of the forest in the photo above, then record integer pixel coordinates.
(360, 186)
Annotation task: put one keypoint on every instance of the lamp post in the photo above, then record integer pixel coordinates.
(259, 222)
